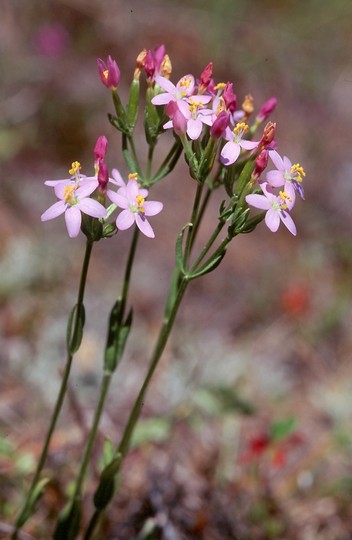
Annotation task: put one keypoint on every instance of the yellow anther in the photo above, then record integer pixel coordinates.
(76, 167)
(248, 104)
(221, 107)
(194, 106)
(106, 73)
(240, 128)
(140, 200)
(185, 82)
(220, 86)
(69, 193)
(133, 176)
(284, 197)
(296, 168)
(166, 67)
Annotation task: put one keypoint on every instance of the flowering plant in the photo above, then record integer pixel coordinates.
(226, 149)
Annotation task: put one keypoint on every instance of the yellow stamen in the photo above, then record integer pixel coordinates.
(69, 192)
(76, 167)
(220, 86)
(166, 67)
(240, 128)
(194, 106)
(284, 197)
(133, 176)
(106, 73)
(296, 168)
(221, 107)
(248, 104)
(185, 82)
(140, 200)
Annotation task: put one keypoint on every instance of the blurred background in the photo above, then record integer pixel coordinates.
(246, 431)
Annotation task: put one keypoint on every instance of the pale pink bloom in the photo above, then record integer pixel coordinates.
(74, 199)
(276, 206)
(117, 180)
(135, 209)
(287, 175)
(182, 90)
(195, 113)
(232, 148)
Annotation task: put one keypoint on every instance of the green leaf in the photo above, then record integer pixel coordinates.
(209, 266)
(282, 428)
(179, 249)
(106, 487)
(117, 336)
(151, 430)
(67, 527)
(29, 509)
(75, 325)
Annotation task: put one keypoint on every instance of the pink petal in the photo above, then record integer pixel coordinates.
(117, 178)
(118, 199)
(275, 178)
(87, 187)
(165, 84)
(151, 208)
(73, 220)
(184, 108)
(230, 153)
(132, 190)
(163, 99)
(52, 183)
(248, 145)
(144, 226)
(288, 221)
(277, 160)
(54, 211)
(92, 208)
(290, 190)
(258, 201)
(125, 220)
(194, 128)
(168, 125)
(287, 164)
(272, 219)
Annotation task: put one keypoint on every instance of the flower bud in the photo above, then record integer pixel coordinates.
(159, 55)
(261, 163)
(205, 78)
(149, 65)
(268, 134)
(166, 67)
(109, 73)
(248, 105)
(229, 97)
(267, 108)
(178, 120)
(100, 148)
(220, 124)
(103, 175)
(140, 60)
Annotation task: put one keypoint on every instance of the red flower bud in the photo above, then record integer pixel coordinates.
(103, 175)
(267, 108)
(268, 134)
(261, 163)
(229, 97)
(220, 124)
(100, 148)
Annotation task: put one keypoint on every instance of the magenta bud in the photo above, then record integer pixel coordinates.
(229, 97)
(267, 109)
(149, 65)
(261, 163)
(158, 55)
(220, 124)
(109, 73)
(268, 134)
(206, 75)
(103, 175)
(178, 120)
(100, 148)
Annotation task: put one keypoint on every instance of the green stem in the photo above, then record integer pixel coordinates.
(20, 520)
(200, 214)
(135, 156)
(105, 384)
(134, 415)
(191, 231)
(149, 162)
(208, 245)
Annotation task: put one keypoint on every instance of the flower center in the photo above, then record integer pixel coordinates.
(239, 130)
(194, 106)
(69, 195)
(297, 172)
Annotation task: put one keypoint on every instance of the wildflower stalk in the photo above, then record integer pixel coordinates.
(104, 389)
(31, 498)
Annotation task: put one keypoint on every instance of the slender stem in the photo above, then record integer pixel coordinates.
(200, 215)
(134, 153)
(106, 380)
(149, 162)
(20, 520)
(135, 412)
(191, 233)
(208, 245)
(92, 435)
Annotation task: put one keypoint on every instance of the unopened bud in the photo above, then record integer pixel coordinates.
(103, 175)
(229, 97)
(100, 148)
(166, 67)
(268, 134)
(267, 109)
(220, 124)
(140, 60)
(158, 56)
(261, 163)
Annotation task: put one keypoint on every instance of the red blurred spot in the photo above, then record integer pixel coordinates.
(295, 300)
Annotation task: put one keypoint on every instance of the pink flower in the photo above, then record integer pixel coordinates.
(276, 206)
(135, 209)
(195, 114)
(100, 148)
(74, 199)
(153, 61)
(232, 148)
(182, 90)
(109, 73)
(287, 175)
(178, 120)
